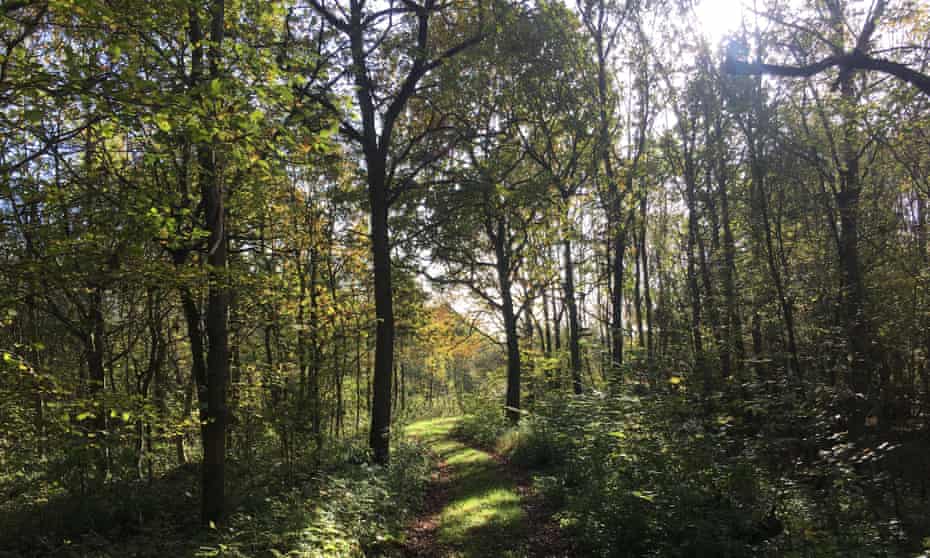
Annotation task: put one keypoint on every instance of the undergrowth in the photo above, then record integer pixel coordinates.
(344, 508)
(642, 474)
(483, 423)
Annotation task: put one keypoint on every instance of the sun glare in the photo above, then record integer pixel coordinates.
(719, 17)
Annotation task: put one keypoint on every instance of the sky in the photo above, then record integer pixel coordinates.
(718, 17)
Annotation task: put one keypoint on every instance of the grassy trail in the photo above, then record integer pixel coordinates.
(476, 508)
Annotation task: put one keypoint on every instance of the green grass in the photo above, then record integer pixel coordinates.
(483, 515)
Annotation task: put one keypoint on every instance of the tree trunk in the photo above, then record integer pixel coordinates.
(513, 359)
(395, 393)
(502, 255)
(647, 289)
(574, 340)
(213, 399)
(710, 264)
(403, 387)
(214, 430)
(616, 298)
(785, 304)
(557, 324)
(734, 323)
(547, 349)
(713, 313)
(358, 378)
(315, 356)
(637, 295)
(923, 323)
(614, 198)
(857, 334)
(380, 434)
(697, 343)
(94, 346)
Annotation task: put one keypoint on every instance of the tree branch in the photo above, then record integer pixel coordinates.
(855, 60)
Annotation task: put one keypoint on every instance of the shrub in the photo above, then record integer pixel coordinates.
(483, 424)
(539, 443)
(342, 507)
(646, 476)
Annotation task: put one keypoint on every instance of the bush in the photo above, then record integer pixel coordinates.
(538, 443)
(642, 477)
(483, 424)
(352, 510)
(343, 507)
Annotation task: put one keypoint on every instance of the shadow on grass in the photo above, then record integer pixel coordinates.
(483, 515)
(308, 510)
(152, 519)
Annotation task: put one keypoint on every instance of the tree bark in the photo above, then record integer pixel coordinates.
(380, 434)
(94, 347)
(213, 394)
(502, 255)
(697, 343)
(547, 349)
(853, 60)
(734, 322)
(637, 294)
(574, 339)
(858, 336)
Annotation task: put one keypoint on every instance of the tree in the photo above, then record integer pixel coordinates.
(834, 32)
(848, 61)
(391, 161)
(557, 139)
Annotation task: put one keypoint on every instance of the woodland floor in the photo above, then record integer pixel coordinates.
(478, 504)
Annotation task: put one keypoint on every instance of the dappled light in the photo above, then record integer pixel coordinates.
(483, 513)
(465, 278)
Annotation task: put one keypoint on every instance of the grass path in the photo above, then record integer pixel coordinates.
(478, 506)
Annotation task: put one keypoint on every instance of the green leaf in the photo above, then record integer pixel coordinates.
(162, 122)
(649, 497)
(33, 115)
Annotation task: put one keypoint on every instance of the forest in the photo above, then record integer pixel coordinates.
(465, 278)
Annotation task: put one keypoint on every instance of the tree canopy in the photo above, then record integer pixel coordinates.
(681, 272)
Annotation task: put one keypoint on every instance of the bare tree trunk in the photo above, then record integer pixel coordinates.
(697, 343)
(380, 434)
(94, 347)
(547, 349)
(734, 323)
(574, 338)
(637, 295)
(499, 238)
(647, 289)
